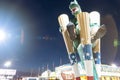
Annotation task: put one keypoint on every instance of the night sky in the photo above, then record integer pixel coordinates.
(33, 38)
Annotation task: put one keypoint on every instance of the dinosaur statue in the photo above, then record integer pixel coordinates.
(74, 33)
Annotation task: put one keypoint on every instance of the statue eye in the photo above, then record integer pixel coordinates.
(74, 9)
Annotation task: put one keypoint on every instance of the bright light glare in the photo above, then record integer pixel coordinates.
(7, 64)
(2, 35)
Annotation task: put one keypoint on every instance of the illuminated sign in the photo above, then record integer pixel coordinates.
(106, 68)
(7, 71)
(109, 70)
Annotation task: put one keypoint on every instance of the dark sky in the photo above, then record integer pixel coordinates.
(34, 40)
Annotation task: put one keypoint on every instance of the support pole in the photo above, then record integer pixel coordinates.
(63, 20)
(83, 22)
(95, 26)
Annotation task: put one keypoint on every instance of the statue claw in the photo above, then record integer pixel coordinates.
(100, 33)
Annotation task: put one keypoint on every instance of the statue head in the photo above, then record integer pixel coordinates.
(74, 7)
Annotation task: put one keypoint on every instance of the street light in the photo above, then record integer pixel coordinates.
(7, 64)
(2, 35)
